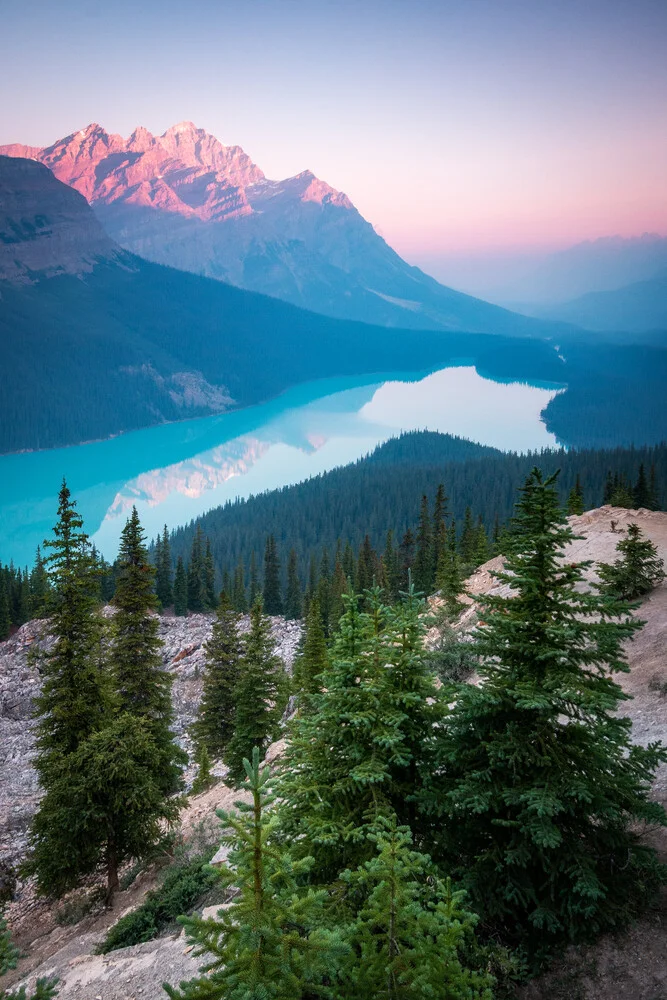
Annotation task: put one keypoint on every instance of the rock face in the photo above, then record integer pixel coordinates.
(186, 200)
(46, 228)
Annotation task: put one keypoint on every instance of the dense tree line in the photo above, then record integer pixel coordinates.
(382, 493)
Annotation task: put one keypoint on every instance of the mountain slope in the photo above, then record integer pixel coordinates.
(635, 308)
(185, 200)
(113, 342)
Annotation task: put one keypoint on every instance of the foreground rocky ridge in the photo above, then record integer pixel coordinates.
(629, 967)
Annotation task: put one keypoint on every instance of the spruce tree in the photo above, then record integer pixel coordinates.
(411, 929)
(239, 601)
(143, 686)
(637, 572)
(323, 592)
(575, 500)
(203, 779)
(542, 791)
(422, 571)
(180, 590)
(312, 659)
(39, 587)
(481, 544)
(197, 594)
(259, 695)
(5, 617)
(468, 540)
(273, 602)
(438, 533)
(209, 580)
(391, 569)
(269, 942)
(339, 586)
(363, 747)
(449, 580)
(163, 584)
(641, 491)
(293, 598)
(366, 566)
(255, 589)
(214, 726)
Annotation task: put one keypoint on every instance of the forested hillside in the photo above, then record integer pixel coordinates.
(383, 492)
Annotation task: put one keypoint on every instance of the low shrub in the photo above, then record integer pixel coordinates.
(183, 886)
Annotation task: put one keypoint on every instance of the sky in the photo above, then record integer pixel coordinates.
(469, 127)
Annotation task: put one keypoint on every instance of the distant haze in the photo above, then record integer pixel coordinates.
(463, 127)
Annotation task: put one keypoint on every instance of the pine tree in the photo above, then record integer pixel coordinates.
(269, 943)
(439, 530)
(259, 695)
(323, 592)
(312, 657)
(209, 581)
(411, 929)
(214, 726)
(641, 491)
(39, 587)
(391, 569)
(622, 493)
(575, 500)
(239, 601)
(366, 568)
(361, 749)
(45, 989)
(143, 686)
(423, 565)
(541, 788)
(255, 589)
(119, 806)
(203, 779)
(273, 602)
(180, 590)
(481, 544)
(293, 598)
(197, 574)
(349, 562)
(339, 586)
(653, 494)
(608, 489)
(163, 584)
(449, 580)
(637, 572)
(468, 539)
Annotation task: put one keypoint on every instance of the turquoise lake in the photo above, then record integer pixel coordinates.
(174, 472)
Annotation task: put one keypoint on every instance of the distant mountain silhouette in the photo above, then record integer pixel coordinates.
(185, 200)
(635, 308)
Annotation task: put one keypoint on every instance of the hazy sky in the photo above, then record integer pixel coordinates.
(459, 125)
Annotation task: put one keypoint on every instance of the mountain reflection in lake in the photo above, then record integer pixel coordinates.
(175, 472)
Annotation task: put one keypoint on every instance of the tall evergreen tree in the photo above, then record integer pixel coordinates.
(575, 500)
(468, 540)
(209, 580)
(39, 587)
(449, 580)
(640, 492)
(239, 601)
(391, 569)
(5, 616)
(180, 590)
(312, 658)
(214, 726)
(438, 533)
(270, 942)
(142, 685)
(542, 790)
(366, 566)
(74, 702)
(422, 571)
(411, 930)
(163, 584)
(255, 588)
(259, 694)
(638, 570)
(293, 596)
(406, 558)
(273, 601)
(323, 592)
(339, 586)
(197, 574)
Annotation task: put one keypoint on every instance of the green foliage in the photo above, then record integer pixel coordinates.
(293, 596)
(204, 779)
(182, 887)
(143, 687)
(365, 742)
(575, 499)
(637, 572)
(312, 657)
(268, 941)
(423, 566)
(215, 721)
(180, 590)
(450, 657)
(541, 791)
(410, 928)
(163, 581)
(273, 602)
(259, 695)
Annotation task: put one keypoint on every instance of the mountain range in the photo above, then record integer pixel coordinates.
(635, 308)
(97, 341)
(185, 200)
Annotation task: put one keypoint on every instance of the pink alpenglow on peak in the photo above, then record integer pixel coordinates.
(186, 171)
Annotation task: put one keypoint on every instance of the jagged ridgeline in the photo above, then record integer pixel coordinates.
(383, 492)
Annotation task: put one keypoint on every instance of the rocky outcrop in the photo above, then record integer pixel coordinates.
(46, 228)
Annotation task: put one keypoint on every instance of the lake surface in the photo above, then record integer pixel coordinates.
(175, 472)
